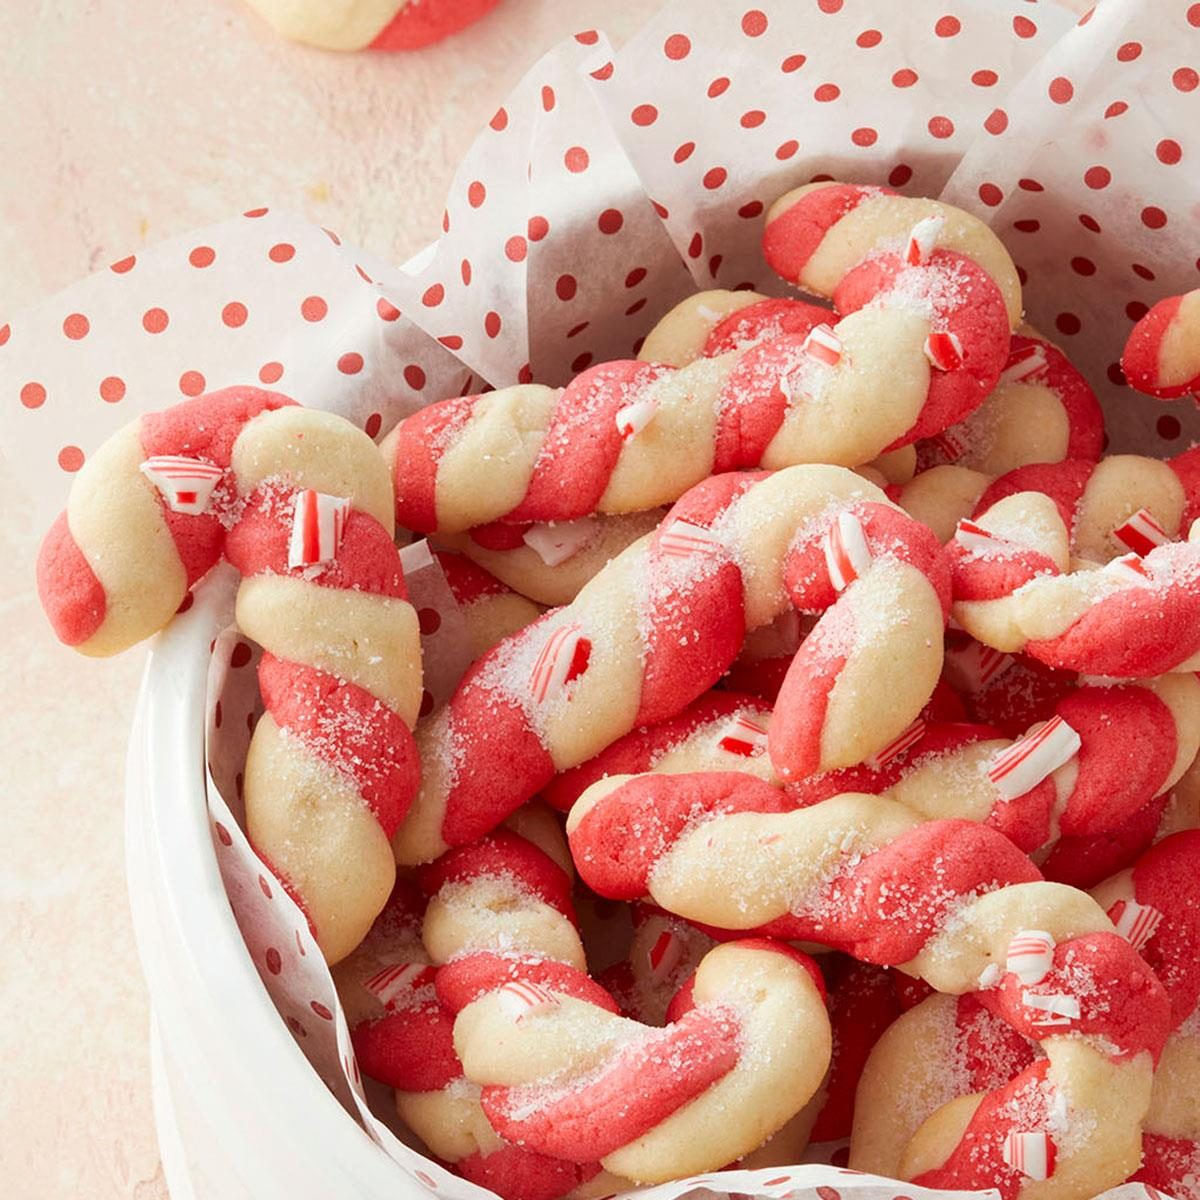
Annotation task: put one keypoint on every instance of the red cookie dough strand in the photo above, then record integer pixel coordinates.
(72, 597)
(418, 443)
(791, 238)
(420, 23)
(764, 319)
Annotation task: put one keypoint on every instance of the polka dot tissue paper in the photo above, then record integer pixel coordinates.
(604, 189)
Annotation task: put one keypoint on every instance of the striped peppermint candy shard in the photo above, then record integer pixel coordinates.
(398, 980)
(1135, 922)
(685, 540)
(633, 418)
(1023, 364)
(1031, 759)
(847, 555)
(1129, 569)
(186, 484)
(1059, 1007)
(922, 240)
(520, 999)
(901, 744)
(318, 523)
(973, 666)
(1031, 1153)
(951, 444)
(1030, 955)
(823, 345)
(563, 658)
(1141, 533)
(743, 737)
(944, 351)
(975, 539)
(556, 542)
(665, 955)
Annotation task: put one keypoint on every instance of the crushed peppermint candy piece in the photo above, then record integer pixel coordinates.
(944, 351)
(633, 418)
(563, 658)
(823, 344)
(1135, 922)
(1023, 363)
(922, 240)
(1030, 955)
(186, 484)
(557, 541)
(1031, 1153)
(682, 539)
(1032, 758)
(975, 539)
(665, 955)
(951, 444)
(743, 737)
(520, 999)
(1141, 533)
(847, 555)
(900, 744)
(972, 667)
(1129, 569)
(990, 976)
(318, 523)
(1060, 1008)
(397, 980)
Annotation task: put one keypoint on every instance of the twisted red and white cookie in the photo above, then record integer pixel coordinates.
(371, 24)
(1162, 356)
(299, 502)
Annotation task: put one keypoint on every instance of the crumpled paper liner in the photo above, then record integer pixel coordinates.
(606, 187)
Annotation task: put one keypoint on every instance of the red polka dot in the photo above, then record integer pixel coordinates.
(76, 326)
(1116, 376)
(123, 265)
(1089, 222)
(899, 175)
(414, 377)
(273, 960)
(234, 314)
(604, 72)
(33, 395)
(827, 92)
(696, 245)
(905, 77)
(433, 295)
(786, 149)
(1083, 266)
(1061, 90)
(868, 39)
(191, 383)
(793, 62)
(536, 228)
(1129, 51)
(525, 374)
(990, 194)
(499, 119)
(547, 98)
(714, 265)
(320, 1010)
(638, 305)
(1153, 217)
(333, 237)
(1168, 427)
(476, 193)
(281, 252)
(677, 46)
(943, 127)
(577, 329)
(112, 389)
(1097, 177)
(1030, 185)
(864, 136)
(947, 27)
(223, 834)
(155, 320)
(565, 287)
(1144, 272)
(985, 78)
(426, 1179)
(430, 620)
(5, 331)
(750, 209)
(350, 363)
(373, 423)
(587, 37)
(828, 1193)
(1027, 225)
(1023, 27)
(1115, 109)
(1193, 15)
(684, 151)
(753, 118)
(1186, 79)
(491, 324)
(635, 277)
(1169, 151)
(714, 178)
(1067, 323)
(296, 1027)
(830, 6)
(270, 372)
(661, 209)
(581, 362)
(754, 23)
(644, 114)
(576, 160)
(445, 220)
(451, 341)
(313, 308)
(717, 87)
(1135, 310)
(202, 256)
(70, 459)
(255, 212)
(610, 220)
(515, 248)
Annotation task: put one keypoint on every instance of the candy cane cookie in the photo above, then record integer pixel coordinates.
(1162, 355)
(662, 622)
(299, 503)
(370, 24)
(946, 901)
